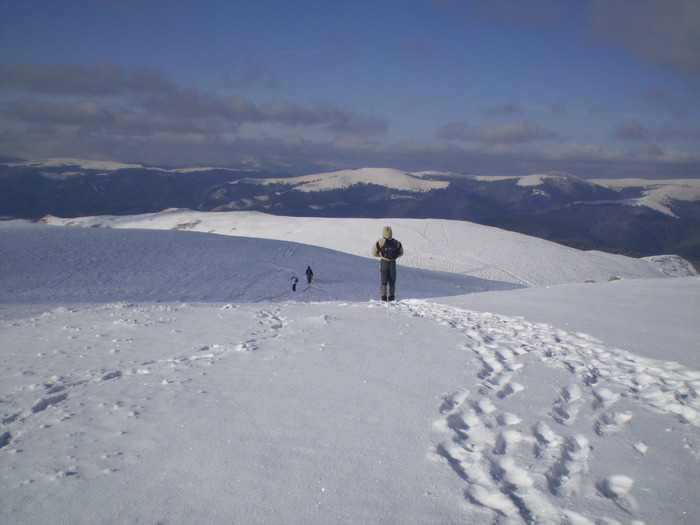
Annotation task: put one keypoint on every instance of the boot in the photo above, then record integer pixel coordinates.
(382, 291)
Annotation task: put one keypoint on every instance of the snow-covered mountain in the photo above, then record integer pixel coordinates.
(78, 165)
(657, 195)
(388, 178)
(633, 217)
(75, 166)
(153, 376)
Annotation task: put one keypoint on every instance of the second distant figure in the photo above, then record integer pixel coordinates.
(388, 249)
(309, 274)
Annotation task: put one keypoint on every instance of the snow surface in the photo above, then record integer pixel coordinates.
(174, 377)
(657, 193)
(390, 178)
(536, 179)
(526, 180)
(99, 165)
(81, 163)
(458, 247)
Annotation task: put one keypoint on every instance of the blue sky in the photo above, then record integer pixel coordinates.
(594, 88)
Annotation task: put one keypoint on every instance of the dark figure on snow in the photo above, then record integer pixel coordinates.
(309, 274)
(294, 283)
(389, 249)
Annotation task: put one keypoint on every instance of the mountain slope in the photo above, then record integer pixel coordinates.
(128, 397)
(448, 246)
(48, 263)
(388, 178)
(633, 217)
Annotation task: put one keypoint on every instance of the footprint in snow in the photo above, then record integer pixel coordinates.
(611, 422)
(484, 444)
(617, 488)
(604, 398)
(547, 441)
(509, 389)
(5, 439)
(567, 405)
(565, 476)
(453, 401)
(46, 402)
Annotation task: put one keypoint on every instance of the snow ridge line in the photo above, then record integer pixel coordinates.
(485, 444)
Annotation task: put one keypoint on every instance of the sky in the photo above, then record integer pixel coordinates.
(594, 88)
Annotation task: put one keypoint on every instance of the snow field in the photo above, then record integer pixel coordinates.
(221, 414)
(463, 248)
(298, 411)
(95, 264)
(520, 466)
(173, 377)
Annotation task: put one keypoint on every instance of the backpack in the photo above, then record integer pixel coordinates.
(390, 250)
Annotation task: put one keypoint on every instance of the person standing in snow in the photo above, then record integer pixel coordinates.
(309, 274)
(388, 249)
(294, 283)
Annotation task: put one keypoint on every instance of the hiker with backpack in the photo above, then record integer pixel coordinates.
(309, 274)
(388, 249)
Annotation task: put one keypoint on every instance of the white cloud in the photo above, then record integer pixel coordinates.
(148, 102)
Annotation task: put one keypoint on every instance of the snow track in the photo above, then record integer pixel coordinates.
(520, 469)
(107, 382)
(174, 377)
(31, 398)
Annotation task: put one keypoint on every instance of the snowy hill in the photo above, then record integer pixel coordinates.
(81, 164)
(75, 264)
(174, 377)
(447, 246)
(655, 194)
(633, 217)
(389, 178)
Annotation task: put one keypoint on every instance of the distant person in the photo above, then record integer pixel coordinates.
(294, 283)
(309, 274)
(389, 249)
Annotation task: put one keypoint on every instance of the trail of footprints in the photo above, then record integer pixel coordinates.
(58, 389)
(482, 439)
(484, 443)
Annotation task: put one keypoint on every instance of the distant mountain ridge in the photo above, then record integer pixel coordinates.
(629, 216)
